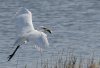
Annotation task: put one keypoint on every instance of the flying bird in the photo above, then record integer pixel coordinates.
(26, 32)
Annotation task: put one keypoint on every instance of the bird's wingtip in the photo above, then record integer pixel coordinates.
(22, 10)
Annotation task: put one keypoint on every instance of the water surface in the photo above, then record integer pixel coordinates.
(75, 25)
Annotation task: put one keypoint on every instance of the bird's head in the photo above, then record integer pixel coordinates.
(45, 29)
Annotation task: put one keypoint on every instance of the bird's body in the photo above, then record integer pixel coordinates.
(25, 29)
(26, 32)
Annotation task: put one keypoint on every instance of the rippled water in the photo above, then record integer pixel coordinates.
(75, 25)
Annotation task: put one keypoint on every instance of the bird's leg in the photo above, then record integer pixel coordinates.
(10, 56)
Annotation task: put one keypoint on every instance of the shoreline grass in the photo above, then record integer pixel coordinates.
(60, 60)
(70, 62)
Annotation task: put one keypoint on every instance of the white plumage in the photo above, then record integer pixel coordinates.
(26, 32)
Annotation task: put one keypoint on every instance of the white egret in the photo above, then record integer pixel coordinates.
(26, 32)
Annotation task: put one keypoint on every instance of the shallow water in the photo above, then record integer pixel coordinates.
(75, 25)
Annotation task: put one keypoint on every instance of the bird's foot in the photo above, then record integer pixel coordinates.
(10, 56)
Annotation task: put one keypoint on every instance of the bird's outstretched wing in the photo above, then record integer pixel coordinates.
(41, 42)
(23, 20)
(39, 39)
